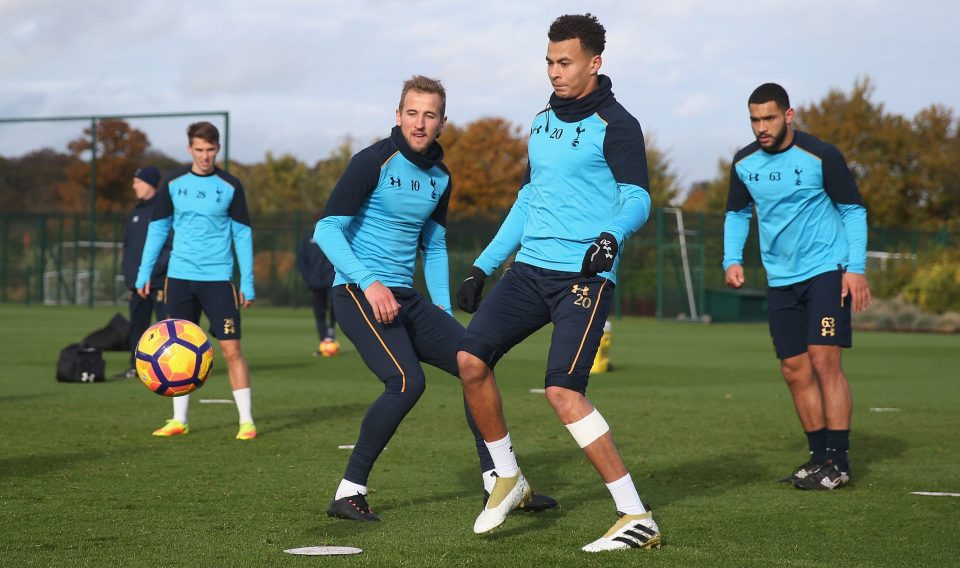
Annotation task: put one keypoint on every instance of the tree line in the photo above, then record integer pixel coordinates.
(908, 169)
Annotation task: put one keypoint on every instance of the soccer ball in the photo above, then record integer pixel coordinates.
(329, 348)
(174, 357)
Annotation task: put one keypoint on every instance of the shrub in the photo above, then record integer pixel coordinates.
(935, 286)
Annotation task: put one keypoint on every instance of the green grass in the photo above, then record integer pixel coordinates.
(700, 415)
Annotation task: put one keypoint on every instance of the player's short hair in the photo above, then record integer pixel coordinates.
(586, 28)
(770, 92)
(204, 131)
(427, 85)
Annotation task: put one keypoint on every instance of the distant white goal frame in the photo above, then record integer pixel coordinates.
(57, 284)
(682, 233)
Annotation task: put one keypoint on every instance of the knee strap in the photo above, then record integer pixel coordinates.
(586, 430)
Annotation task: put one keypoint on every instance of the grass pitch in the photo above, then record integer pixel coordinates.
(699, 413)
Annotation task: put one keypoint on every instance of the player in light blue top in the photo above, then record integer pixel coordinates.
(391, 202)
(206, 209)
(585, 193)
(813, 242)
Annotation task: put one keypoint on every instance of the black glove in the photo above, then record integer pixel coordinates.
(468, 295)
(600, 255)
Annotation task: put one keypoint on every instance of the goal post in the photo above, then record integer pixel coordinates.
(681, 261)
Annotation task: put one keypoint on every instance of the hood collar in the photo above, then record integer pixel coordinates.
(573, 110)
(432, 157)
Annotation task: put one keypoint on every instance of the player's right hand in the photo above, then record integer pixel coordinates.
(384, 305)
(145, 291)
(468, 295)
(735, 276)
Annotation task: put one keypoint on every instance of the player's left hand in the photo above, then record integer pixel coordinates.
(244, 302)
(856, 289)
(600, 255)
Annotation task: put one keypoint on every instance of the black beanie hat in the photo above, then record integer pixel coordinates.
(148, 174)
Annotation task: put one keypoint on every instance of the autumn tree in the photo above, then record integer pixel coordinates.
(27, 183)
(120, 150)
(664, 185)
(710, 196)
(488, 160)
(936, 172)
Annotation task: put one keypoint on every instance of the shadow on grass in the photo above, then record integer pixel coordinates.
(16, 398)
(867, 449)
(27, 467)
(274, 422)
(260, 367)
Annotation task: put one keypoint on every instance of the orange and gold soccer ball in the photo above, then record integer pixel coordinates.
(174, 357)
(329, 348)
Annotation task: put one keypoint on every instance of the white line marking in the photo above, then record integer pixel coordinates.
(215, 401)
(538, 391)
(935, 494)
(324, 550)
(884, 410)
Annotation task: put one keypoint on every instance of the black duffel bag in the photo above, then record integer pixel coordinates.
(81, 364)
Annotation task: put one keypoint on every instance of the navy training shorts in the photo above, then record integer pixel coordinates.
(218, 300)
(529, 297)
(809, 313)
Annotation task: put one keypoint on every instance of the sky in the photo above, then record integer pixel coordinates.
(300, 77)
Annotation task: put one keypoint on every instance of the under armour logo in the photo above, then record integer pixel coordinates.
(577, 289)
(86, 377)
(395, 181)
(828, 327)
(182, 191)
(753, 177)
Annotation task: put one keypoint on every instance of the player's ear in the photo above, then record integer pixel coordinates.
(595, 64)
(790, 114)
(398, 117)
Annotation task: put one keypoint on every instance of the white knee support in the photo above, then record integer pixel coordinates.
(586, 430)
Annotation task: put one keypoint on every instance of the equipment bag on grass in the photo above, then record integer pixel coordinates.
(80, 364)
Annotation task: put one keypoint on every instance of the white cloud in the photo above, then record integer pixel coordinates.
(694, 105)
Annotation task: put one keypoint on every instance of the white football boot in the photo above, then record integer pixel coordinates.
(631, 531)
(507, 494)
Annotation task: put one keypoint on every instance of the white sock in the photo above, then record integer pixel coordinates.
(488, 480)
(349, 489)
(244, 404)
(180, 405)
(625, 495)
(504, 461)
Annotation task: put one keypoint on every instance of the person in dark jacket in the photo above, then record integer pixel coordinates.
(145, 183)
(317, 272)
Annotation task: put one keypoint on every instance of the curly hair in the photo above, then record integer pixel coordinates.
(586, 28)
(770, 92)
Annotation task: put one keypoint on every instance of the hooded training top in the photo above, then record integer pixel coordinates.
(587, 174)
(811, 216)
(389, 201)
(207, 214)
